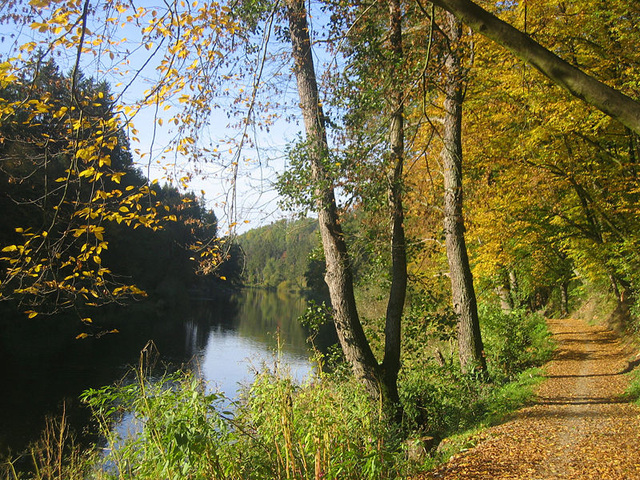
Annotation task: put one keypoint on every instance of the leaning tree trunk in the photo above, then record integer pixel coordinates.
(397, 293)
(608, 100)
(339, 277)
(462, 291)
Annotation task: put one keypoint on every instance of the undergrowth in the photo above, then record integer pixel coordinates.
(325, 428)
(633, 391)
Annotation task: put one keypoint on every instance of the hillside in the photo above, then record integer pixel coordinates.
(279, 255)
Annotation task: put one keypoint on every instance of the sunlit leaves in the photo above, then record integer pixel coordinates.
(552, 179)
(82, 131)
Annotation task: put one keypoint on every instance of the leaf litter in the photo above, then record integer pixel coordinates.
(580, 425)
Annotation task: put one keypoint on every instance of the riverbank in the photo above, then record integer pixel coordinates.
(323, 427)
(45, 367)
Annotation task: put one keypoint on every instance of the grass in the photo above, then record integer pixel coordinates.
(633, 391)
(325, 428)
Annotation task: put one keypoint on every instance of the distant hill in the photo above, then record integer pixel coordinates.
(280, 255)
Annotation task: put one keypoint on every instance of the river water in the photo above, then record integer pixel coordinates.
(43, 366)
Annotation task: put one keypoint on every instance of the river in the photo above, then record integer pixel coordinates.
(44, 367)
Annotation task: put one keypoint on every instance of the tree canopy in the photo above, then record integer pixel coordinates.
(404, 109)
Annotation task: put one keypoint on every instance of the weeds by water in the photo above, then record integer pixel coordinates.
(325, 428)
(55, 456)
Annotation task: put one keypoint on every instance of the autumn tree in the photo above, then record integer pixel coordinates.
(560, 172)
(462, 288)
(611, 101)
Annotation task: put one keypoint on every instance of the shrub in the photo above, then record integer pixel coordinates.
(513, 341)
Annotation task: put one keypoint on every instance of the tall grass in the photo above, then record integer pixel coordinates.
(55, 456)
(325, 428)
(277, 429)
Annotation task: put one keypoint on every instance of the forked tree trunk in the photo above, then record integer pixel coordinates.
(462, 291)
(397, 293)
(339, 275)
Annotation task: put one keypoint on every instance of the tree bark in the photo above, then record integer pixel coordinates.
(505, 298)
(610, 101)
(564, 299)
(462, 290)
(339, 276)
(397, 293)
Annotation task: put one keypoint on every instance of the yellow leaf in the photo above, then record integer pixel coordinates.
(87, 320)
(31, 313)
(81, 336)
(223, 278)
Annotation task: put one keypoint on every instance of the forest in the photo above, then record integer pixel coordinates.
(468, 169)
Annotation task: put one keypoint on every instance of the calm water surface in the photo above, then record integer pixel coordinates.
(44, 367)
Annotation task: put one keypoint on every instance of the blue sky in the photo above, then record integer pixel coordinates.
(259, 163)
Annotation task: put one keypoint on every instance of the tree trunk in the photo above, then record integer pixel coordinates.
(338, 276)
(462, 291)
(505, 298)
(397, 293)
(564, 299)
(610, 101)
(514, 290)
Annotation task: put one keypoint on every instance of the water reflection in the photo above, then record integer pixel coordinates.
(265, 322)
(43, 365)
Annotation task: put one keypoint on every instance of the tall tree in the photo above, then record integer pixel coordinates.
(462, 289)
(397, 293)
(339, 276)
(391, 182)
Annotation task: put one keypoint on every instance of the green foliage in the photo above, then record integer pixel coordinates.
(323, 429)
(315, 316)
(440, 400)
(278, 429)
(279, 252)
(514, 341)
(633, 391)
(179, 429)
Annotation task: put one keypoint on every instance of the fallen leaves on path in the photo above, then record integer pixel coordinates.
(580, 427)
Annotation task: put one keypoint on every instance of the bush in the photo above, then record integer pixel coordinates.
(439, 400)
(513, 341)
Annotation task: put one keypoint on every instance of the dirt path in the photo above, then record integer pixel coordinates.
(579, 428)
